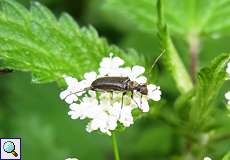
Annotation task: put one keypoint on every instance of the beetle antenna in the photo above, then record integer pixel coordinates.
(156, 60)
(86, 89)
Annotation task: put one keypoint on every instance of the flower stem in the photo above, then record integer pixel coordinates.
(194, 47)
(115, 147)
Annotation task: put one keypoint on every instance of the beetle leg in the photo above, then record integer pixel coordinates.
(132, 94)
(122, 99)
(141, 101)
(111, 99)
(134, 100)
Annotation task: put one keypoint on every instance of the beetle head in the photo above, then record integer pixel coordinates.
(142, 88)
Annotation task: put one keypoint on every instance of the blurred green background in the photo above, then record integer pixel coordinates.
(37, 115)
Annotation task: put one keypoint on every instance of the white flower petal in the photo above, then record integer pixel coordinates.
(117, 61)
(228, 68)
(112, 123)
(73, 115)
(151, 87)
(154, 92)
(138, 70)
(227, 95)
(114, 72)
(105, 62)
(144, 106)
(71, 81)
(103, 71)
(125, 72)
(126, 117)
(109, 72)
(88, 127)
(156, 95)
(110, 66)
(90, 76)
(77, 111)
(207, 158)
(71, 159)
(74, 106)
(141, 80)
(115, 110)
(109, 133)
(94, 124)
(84, 84)
(71, 98)
(64, 94)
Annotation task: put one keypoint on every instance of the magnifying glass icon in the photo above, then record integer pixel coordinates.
(9, 147)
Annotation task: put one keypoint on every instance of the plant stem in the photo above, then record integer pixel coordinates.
(194, 47)
(115, 147)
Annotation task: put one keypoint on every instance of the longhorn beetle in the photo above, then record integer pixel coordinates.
(122, 84)
(111, 84)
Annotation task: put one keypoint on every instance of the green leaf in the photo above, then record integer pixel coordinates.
(42, 14)
(172, 60)
(209, 81)
(36, 41)
(216, 19)
(141, 13)
(226, 156)
(183, 17)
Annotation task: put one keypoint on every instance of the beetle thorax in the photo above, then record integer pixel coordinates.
(134, 86)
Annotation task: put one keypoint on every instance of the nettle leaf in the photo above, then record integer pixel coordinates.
(141, 13)
(36, 41)
(216, 18)
(209, 81)
(183, 17)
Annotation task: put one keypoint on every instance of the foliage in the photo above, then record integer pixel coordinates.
(36, 41)
(210, 80)
(183, 17)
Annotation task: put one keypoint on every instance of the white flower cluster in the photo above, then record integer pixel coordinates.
(71, 159)
(105, 110)
(227, 95)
